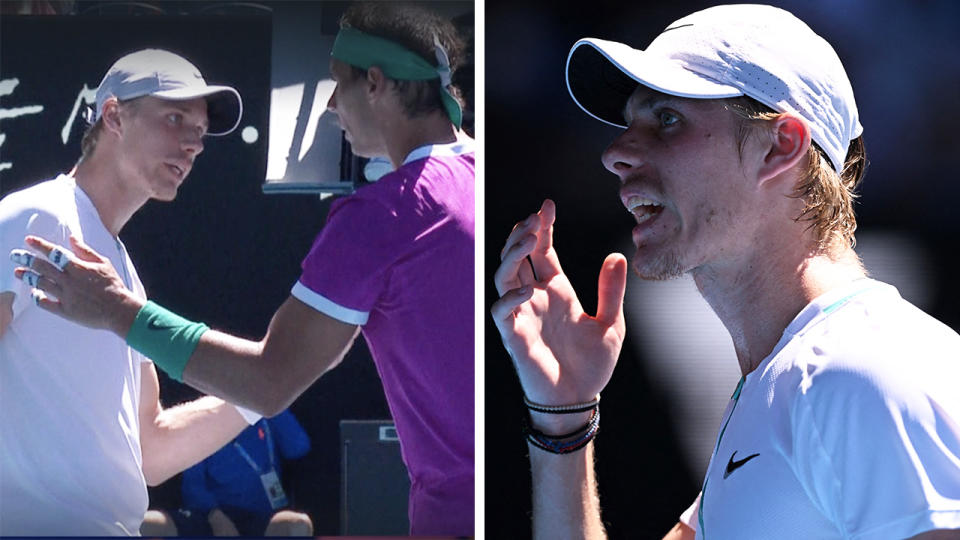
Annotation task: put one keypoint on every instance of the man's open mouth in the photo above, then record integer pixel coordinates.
(643, 209)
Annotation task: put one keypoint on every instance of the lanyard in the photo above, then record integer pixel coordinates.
(246, 456)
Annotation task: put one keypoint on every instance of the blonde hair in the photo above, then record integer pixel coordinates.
(828, 197)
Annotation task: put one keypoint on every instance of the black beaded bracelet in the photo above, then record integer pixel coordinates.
(558, 444)
(562, 409)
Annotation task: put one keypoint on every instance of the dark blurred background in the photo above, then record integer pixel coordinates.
(223, 252)
(677, 370)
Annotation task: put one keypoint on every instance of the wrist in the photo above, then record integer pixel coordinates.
(565, 443)
(122, 318)
(558, 424)
(164, 337)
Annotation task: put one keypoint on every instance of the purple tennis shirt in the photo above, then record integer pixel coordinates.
(397, 258)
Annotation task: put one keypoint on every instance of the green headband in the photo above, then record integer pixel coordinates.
(399, 63)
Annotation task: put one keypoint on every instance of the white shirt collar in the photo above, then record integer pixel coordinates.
(457, 148)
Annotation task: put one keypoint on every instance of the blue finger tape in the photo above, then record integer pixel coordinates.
(22, 257)
(30, 278)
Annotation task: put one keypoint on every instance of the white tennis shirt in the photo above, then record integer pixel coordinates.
(849, 429)
(70, 461)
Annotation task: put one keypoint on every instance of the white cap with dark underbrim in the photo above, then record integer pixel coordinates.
(163, 74)
(759, 51)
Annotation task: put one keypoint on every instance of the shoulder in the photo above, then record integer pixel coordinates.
(47, 201)
(876, 353)
(449, 164)
(879, 329)
(451, 161)
(368, 207)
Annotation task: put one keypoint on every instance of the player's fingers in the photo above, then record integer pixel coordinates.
(525, 272)
(35, 280)
(519, 253)
(548, 215)
(26, 259)
(502, 310)
(41, 300)
(58, 255)
(543, 258)
(85, 252)
(514, 270)
(520, 230)
(43, 245)
(22, 257)
(611, 287)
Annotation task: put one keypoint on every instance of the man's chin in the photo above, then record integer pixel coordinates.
(166, 195)
(656, 268)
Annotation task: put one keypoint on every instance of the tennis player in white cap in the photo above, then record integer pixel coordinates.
(739, 157)
(82, 431)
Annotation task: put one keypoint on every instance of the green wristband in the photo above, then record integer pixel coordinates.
(165, 337)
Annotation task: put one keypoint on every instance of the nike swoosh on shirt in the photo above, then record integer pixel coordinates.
(733, 465)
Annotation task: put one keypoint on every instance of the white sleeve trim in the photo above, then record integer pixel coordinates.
(691, 515)
(328, 307)
(250, 416)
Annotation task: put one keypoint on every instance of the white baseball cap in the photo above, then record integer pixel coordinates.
(759, 51)
(159, 73)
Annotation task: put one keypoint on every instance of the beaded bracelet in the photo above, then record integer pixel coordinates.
(562, 409)
(558, 444)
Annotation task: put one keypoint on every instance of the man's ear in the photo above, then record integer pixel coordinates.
(110, 116)
(788, 145)
(376, 83)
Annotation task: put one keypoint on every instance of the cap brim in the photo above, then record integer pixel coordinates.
(601, 76)
(224, 106)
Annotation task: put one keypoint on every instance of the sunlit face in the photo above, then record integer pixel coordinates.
(349, 103)
(159, 142)
(683, 181)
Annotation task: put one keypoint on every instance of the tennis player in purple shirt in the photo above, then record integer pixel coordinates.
(395, 260)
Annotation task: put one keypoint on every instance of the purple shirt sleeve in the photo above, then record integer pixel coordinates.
(346, 269)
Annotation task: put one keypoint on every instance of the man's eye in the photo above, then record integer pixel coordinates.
(667, 118)
(173, 118)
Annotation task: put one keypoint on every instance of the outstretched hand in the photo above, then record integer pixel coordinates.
(562, 355)
(86, 287)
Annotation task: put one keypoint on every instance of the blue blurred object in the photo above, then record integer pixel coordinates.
(237, 477)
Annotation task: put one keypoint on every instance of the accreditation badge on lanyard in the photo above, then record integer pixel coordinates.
(269, 479)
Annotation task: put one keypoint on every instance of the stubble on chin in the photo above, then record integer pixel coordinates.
(659, 267)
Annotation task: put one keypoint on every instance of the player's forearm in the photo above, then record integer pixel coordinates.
(183, 435)
(242, 372)
(565, 500)
(266, 376)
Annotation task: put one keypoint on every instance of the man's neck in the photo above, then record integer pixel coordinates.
(103, 183)
(405, 135)
(757, 300)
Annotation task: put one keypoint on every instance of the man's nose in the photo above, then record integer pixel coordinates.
(624, 154)
(192, 142)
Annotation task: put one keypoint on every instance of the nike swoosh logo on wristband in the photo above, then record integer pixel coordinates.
(154, 325)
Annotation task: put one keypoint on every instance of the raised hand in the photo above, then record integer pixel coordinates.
(87, 288)
(562, 355)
